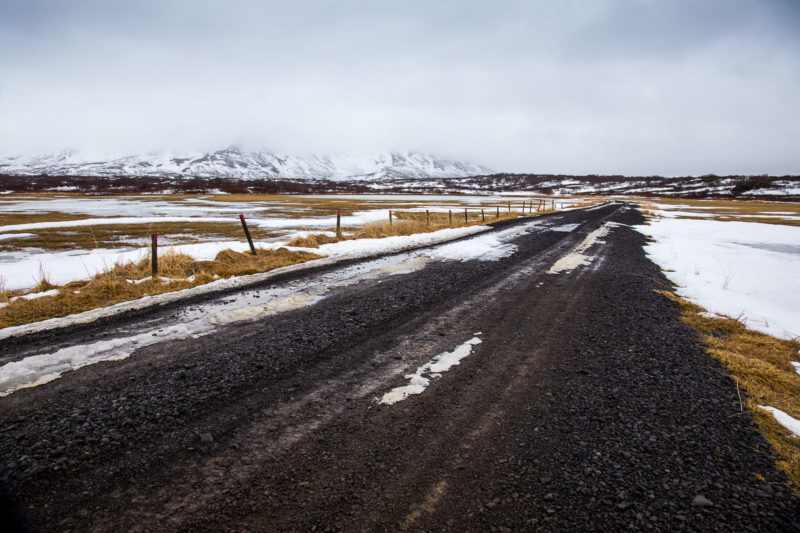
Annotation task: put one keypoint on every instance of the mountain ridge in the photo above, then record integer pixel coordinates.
(235, 163)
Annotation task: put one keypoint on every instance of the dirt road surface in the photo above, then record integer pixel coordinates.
(580, 402)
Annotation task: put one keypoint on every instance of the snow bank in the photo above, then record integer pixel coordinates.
(739, 269)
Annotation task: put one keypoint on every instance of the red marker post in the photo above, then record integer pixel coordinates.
(247, 233)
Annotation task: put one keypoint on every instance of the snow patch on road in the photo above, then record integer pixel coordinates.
(419, 380)
(787, 421)
(579, 256)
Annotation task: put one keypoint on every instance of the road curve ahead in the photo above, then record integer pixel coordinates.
(529, 380)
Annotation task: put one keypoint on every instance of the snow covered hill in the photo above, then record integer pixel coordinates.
(237, 164)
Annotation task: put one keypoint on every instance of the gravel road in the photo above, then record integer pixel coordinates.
(586, 405)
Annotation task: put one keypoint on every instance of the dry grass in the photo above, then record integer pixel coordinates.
(761, 365)
(116, 285)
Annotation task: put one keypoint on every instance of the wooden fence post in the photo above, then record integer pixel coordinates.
(498, 212)
(338, 222)
(483, 217)
(450, 215)
(154, 256)
(466, 220)
(247, 234)
(427, 217)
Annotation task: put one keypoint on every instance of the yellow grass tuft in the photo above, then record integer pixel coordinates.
(761, 364)
(313, 240)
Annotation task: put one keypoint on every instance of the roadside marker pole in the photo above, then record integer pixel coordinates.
(154, 256)
(509, 207)
(450, 214)
(390, 217)
(498, 212)
(338, 222)
(247, 233)
(427, 217)
(483, 217)
(466, 220)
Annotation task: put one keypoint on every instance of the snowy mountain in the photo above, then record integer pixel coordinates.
(234, 163)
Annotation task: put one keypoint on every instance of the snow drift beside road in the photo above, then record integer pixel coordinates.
(745, 270)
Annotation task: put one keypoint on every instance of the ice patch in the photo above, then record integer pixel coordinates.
(419, 380)
(792, 424)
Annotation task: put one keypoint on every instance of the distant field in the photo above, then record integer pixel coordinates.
(79, 222)
(782, 213)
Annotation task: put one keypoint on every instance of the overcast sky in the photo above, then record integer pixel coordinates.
(668, 87)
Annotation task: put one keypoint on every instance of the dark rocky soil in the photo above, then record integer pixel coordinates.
(587, 406)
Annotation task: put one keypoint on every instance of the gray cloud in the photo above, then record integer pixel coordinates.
(630, 86)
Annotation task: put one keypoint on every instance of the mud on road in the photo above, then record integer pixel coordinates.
(586, 405)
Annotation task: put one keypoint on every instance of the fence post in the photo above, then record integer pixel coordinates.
(509, 207)
(450, 215)
(154, 256)
(466, 220)
(498, 212)
(483, 217)
(247, 233)
(390, 217)
(338, 222)
(427, 217)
